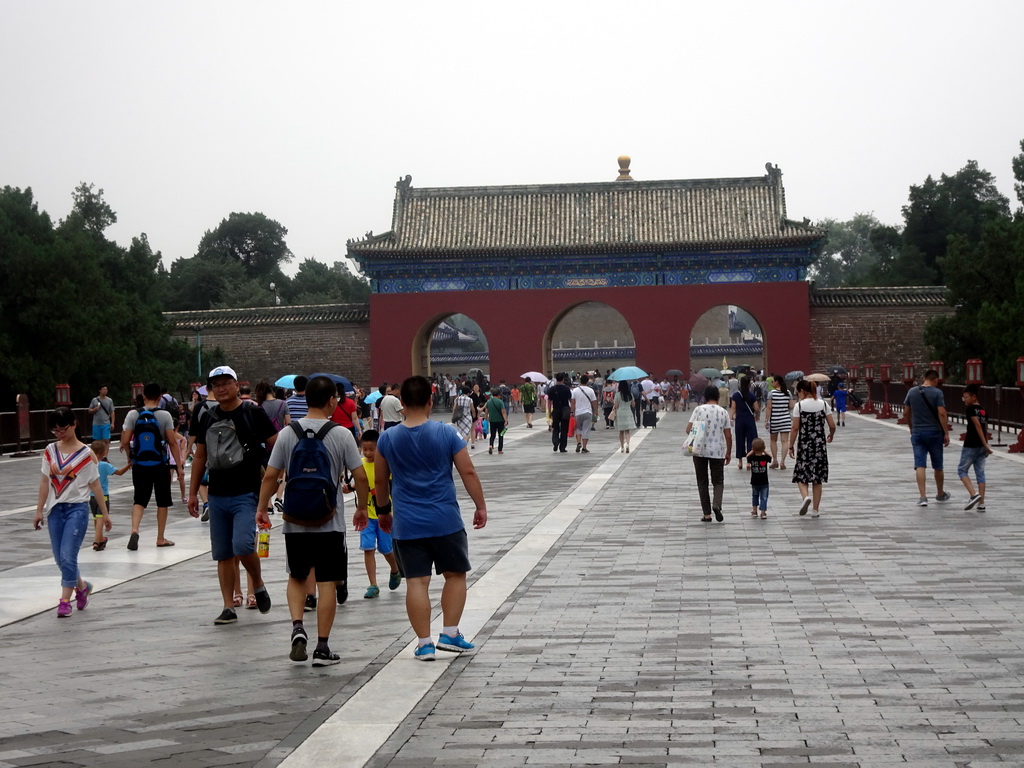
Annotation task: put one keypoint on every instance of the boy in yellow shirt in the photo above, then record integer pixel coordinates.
(372, 538)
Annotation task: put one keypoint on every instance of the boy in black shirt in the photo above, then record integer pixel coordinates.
(758, 461)
(975, 449)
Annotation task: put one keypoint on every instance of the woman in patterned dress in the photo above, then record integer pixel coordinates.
(464, 425)
(810, 415)
(779, 420)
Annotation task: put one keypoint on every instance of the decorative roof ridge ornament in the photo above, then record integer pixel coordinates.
(624, 161)
(402, 190)
(774, 179)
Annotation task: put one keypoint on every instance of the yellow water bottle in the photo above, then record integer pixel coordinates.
(263, 541)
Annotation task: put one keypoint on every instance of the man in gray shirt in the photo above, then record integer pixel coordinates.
(102, 410)
(929, 432)
(317, 548)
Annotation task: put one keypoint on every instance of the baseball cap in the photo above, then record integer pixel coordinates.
(222, 370)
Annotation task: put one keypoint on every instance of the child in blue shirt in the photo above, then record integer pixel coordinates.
(106, 469)
(839, 403)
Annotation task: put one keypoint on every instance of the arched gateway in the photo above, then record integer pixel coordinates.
(518, 258)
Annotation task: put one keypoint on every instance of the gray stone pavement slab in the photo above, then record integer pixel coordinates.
(878, 634)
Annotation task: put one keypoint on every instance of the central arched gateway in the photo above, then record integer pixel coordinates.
(517, 259)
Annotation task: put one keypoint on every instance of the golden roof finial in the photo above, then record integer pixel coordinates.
(624, 161)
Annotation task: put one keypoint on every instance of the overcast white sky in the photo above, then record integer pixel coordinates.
(310, 111)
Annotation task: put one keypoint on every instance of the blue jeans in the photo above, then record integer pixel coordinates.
(759, 497)
(67, 524)
(972, 455)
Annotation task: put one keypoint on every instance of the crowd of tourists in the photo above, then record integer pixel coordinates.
(299, 454)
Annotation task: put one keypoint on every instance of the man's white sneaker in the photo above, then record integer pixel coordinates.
(922, 502)
(973, 501)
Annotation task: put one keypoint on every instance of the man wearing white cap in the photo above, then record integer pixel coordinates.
(232, 440)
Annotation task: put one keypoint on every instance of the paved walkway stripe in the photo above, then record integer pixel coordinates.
(352, 735)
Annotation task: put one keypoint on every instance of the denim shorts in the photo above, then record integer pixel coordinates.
(927, 444)
(972, 455)
(232, 526)
(373, 538)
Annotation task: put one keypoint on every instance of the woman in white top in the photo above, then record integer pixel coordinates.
(69, 473)
(810, 415)
(712, 450)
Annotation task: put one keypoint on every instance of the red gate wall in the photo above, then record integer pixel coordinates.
(516, 323)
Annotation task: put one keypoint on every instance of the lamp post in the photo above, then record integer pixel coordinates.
(975, 372)
(1018, 447)
(62, 395)
(940, 368)
(886, 377)
(869, 377)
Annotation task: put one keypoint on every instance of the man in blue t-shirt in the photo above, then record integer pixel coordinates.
(929, 432)
(427, 529)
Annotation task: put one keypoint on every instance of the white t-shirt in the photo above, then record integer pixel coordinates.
(582, 397)
(716, 419)
(390, 408)
(810, 405)
(69, 475)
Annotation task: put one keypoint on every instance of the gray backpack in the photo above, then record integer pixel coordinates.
(225, 448)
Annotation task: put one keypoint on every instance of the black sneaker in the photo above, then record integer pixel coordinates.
(310, 603)
(227, 616)
(718, 515)
(342, 590)
(263, 600)
(299, 640)
(322, 657)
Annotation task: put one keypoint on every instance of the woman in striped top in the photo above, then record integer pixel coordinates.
(777, 414)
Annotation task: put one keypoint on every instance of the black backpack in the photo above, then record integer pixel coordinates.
(311, 490)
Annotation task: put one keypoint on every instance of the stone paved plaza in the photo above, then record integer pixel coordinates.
(613, 627)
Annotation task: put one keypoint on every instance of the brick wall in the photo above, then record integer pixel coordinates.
(271, 351)
(854, 336)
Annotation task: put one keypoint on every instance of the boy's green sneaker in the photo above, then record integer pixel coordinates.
(372, 591)
(394, 581)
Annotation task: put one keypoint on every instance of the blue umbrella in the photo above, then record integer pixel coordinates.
(373, 397)
(343, 384)
(288, 382)
(626, 373)
(794, 376)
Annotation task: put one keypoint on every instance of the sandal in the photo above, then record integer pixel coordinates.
(238, 601)
(250, 601)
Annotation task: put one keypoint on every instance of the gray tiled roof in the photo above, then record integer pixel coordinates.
(898, 296)
(260, 316)
(629, 215)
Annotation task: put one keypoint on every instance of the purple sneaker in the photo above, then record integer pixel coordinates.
(82, 596)
(63, 609)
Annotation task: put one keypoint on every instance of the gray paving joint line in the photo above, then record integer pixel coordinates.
(338, 734)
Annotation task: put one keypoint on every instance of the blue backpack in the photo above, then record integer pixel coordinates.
(149, 448)
(311, 493)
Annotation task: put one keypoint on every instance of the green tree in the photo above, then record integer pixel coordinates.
(984, 272)
(316, 283)
(250, 239)
(960, 204)
(196, 283)
(85, 311)
(849, 256)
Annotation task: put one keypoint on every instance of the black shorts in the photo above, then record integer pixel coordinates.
(445, 553)
(146, 480)
(95, 508)
(529, 408)
(323, 551)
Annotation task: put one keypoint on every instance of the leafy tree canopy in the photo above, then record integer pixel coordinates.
(250, 239)
(85, 312)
